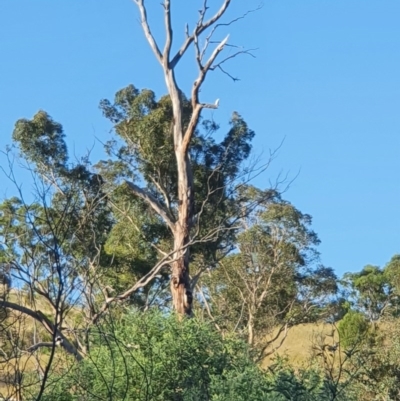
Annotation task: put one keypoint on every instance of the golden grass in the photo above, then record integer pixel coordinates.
(24, 330)
(299, 343)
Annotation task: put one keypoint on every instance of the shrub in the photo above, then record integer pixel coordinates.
(148, 356)
(352, 329)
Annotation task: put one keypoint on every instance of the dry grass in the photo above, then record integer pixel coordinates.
(298, 346)
(22, 332)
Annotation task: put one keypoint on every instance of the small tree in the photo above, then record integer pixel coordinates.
(270, 282)
(352, 328)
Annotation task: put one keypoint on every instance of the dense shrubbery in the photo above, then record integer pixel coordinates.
(153, 357)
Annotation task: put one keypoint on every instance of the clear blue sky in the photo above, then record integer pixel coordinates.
(326, 78)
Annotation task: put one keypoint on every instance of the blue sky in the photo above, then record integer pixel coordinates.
(326, 79)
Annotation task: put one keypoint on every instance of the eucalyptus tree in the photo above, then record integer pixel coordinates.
(167, 196)
(53, 245)
(143, 152)
(181, 213)
(374, 291)
(97, 235)
(272, 281)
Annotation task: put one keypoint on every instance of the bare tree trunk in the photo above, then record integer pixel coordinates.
(182, 225)
(180, 278)
(180, 287)
(250, 328)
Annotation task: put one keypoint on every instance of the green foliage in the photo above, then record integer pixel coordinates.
(41, 141)
(372, 291)
(70, 219)
(392, 274)
(271, 281)
(352, 329)
(70, 196)
(369, 368)
(151, 357)
(86, 230)
(143, 151)
(88, 236)
(307, 385)
(379, 365)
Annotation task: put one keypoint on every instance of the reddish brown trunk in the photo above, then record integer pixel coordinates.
(180, 288)
(180, 280)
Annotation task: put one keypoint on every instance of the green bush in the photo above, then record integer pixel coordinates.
(149, 356)
(352, 329)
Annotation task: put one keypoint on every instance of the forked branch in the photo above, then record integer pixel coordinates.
(196, 105)
(201, 26)
(157, 206)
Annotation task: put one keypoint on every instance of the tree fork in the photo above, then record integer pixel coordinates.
(180, 279)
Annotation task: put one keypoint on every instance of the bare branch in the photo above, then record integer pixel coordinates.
(283, 329)
(234, 79)
(44, 344)
(208, 309)
(169, 32)
(163, 192)
(216, 26)
(200, 27)
(47, 324)
(197, 107)
(219, 64)
(146, 29)
(139, 284)
(153, 203)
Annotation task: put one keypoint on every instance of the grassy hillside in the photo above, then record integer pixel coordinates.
(300, 341)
